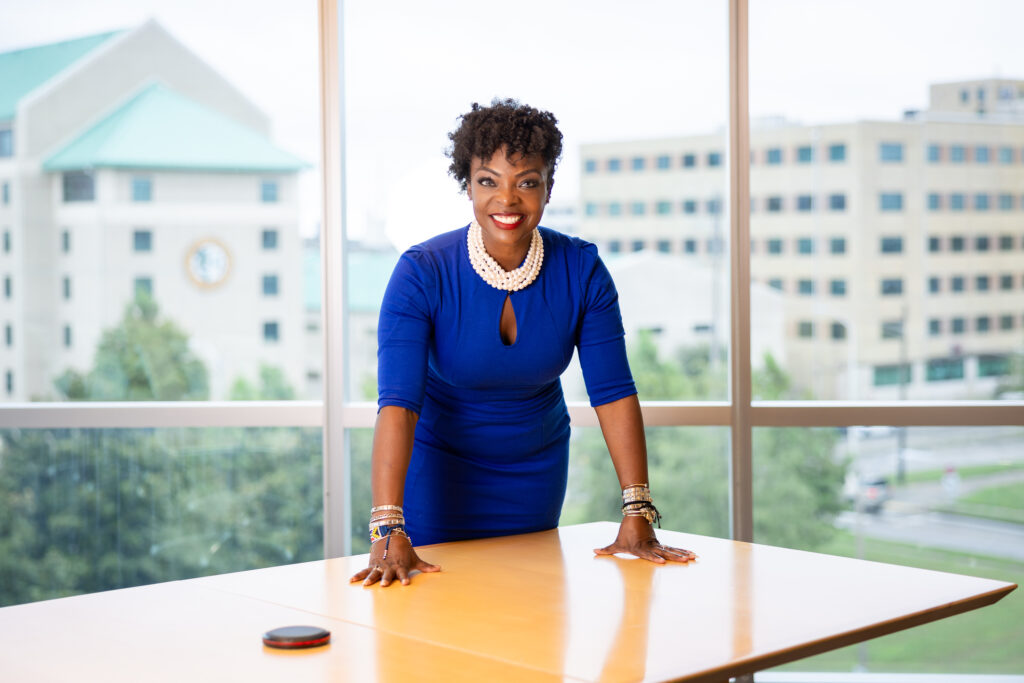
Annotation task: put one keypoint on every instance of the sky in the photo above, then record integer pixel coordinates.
(608, 70)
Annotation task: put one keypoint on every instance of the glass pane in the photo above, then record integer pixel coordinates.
(87, 510)
(642, 172)
(888, 258)
(149, 152)
(958, 507)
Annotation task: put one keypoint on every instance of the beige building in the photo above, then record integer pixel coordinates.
(896, 244)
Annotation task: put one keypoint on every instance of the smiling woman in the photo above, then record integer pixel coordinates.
(476, 327)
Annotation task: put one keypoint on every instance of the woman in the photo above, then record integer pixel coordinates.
(476, 326)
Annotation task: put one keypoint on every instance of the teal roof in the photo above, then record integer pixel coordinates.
(159, 129)
(367, 276)
(22, 71)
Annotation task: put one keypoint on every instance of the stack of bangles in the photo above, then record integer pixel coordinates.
(636, 502)
(387, 521)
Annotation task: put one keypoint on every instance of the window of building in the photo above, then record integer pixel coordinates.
(957, 154)
(1006, 155)
(590, 166)
(837, 287)
(934, 244)
(664, 246)
(270, 332)
(982, 243)
(79, 186)
(690, 206)
(981, 202)
(934, 327)
(837, 245)
(892, 286)
(804, 202)
(956, 243)
(775, 283)
(934, 201)
(714, 158)
(892, 245)
(664, 162)
(774, 246)
(805, 287)
(614, 209)
(890, 152)
(1005, 282)
(638, 163)
(713, 206)
(1005, 323)
(7, 241)
(982, 154)
(773, 156)
(889, 375)
(934, 285)
(615, 246)
(637, 245)
(269, 285)
(890, 201)
(690, 246)
(9, 380)
(1005, 202)
(268, 191)
(892, 329)
(5, 188)
(143, 284)
(689, 160)
(65, 241)
(268, 239)
(614, 165)
(804, 154)
(805, 329)
(837, 202)
(943, 369)
(8, 335)
(8, 287)
(838, 331)
(982, 324)
(774, 204)
(993, 365)
(67, 336)
(663, 207)
(956, 201)
(958, 325)
(6, 142)
(142, 240)
(956, 283)
(590, 209)
(637, 208)
(981, 283)
(805, 245)
(66, 287)
(934, 154)
(837, 152)
(142, 189)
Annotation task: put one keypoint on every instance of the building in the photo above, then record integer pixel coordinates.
(898, 245)
(128, 163)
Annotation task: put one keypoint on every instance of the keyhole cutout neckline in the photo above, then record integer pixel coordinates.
(507, 326)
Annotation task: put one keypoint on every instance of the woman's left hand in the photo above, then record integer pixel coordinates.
(636, 537)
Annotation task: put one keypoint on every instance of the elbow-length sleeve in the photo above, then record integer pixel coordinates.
(602, 339)
(404, 333)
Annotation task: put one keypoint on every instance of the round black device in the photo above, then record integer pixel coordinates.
(296, 637)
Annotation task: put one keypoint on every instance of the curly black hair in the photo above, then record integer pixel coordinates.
(522, 129)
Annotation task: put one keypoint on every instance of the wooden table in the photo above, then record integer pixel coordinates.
(532, 607)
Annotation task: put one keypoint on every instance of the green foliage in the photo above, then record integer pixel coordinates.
(273, 386)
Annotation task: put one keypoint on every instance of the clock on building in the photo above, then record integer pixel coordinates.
(208, 262)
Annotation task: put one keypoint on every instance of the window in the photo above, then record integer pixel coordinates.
(892, 329)
(956, 243)
(805, 245)
(956, 201)
(8, 287)
(637, 208)
(804, 154)
(689, 160)
(957, 154)
(590, 166)
(838, 331)
(934, 201)
(270, 332)
(892, 245)
(8, 335)
(775, 283)
(805, 287)
(614, 209)
(956, 283)
(1005, 323)
(638, 163)
(269, 239)
(6, 142)
(713, 206)
(943, 369)
(638, 245)
(837, 202)
(774, 246)
(982, 324)
(773, 156)
(1006, 202)
(1005, 155)
(66, 287)
(79, 186)
(981, 283)
(982, 154)
(142, 240)
(7, 241)
(934, 244)
(663, 207)
(934, 327)
(67, 336)
(890, 201)
(690, 206)
(690, 246)
(1005, 282)
(981, 202)
(268, 191)
(981, 243)
(837, 287)
(774, 204)
(9, 380)
(993, 365)
(590, 209)
(888, 375)
(615, 246)
(664, 246)
(269, 285)
(142, 189)
(958, 325)
(892, 286)
(804, 202)
(934, 154)
(837, 152)
(65, 241)
(890, 152)
(805, 329)
(143, 284)
(664, 162)
(714, 159)
(934, 285)
(837, 245)
(6, 190)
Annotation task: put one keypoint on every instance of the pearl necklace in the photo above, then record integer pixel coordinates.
(496, 276)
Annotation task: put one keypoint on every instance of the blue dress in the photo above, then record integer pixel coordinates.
(491, 449)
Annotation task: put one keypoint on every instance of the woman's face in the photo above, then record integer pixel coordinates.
(508, 197)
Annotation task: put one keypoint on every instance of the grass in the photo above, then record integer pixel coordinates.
(964, 472)
(1005, 496)
(985, 641)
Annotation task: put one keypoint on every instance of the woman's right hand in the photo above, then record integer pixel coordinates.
(400, 561)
